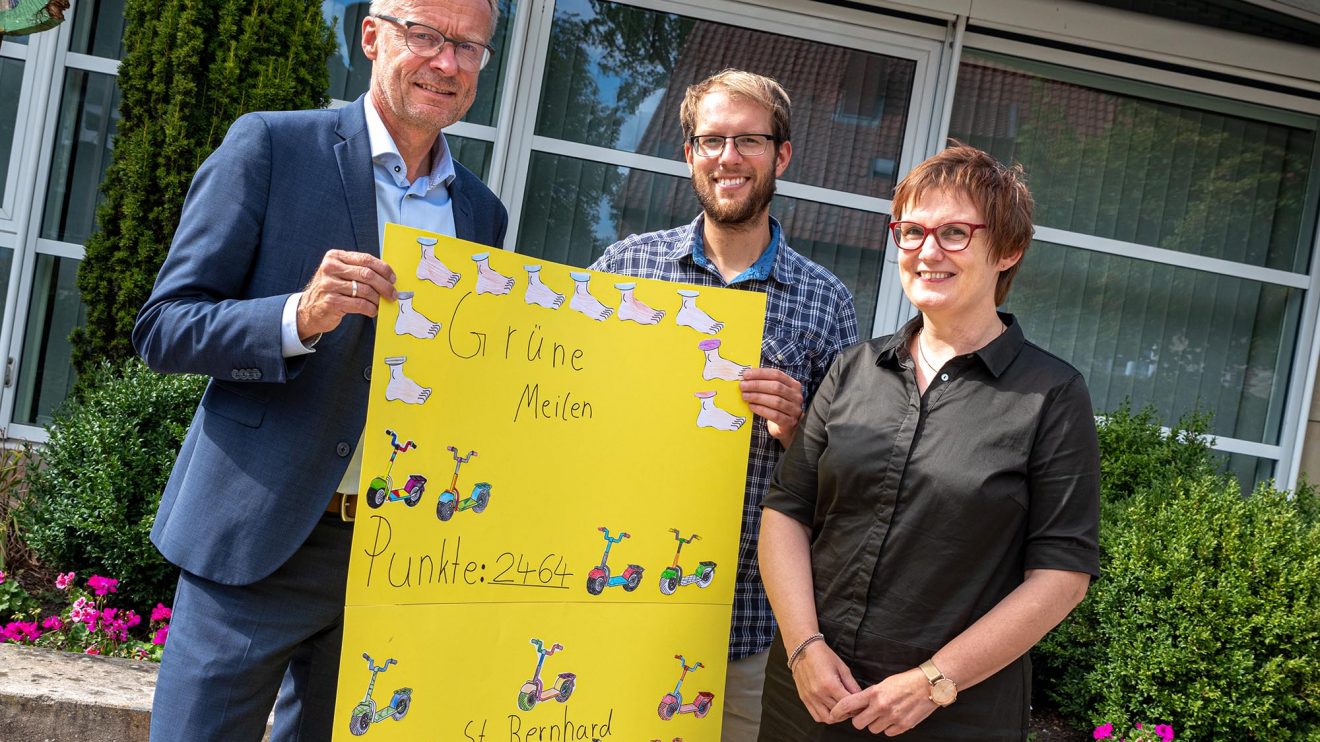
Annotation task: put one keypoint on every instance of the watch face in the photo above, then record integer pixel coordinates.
(943, 692)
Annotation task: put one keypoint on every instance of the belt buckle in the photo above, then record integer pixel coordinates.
(345, 514)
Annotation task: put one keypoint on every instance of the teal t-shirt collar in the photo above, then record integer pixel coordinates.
(759, 271)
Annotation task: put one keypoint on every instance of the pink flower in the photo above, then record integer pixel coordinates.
(162, 634)
(92, 650)
(1104, 731)
(83, 611)
(1165, 731)
(102, 585)
(2, 577)
(63, 581)
(160, 613)
(21, 631)
(52, 623)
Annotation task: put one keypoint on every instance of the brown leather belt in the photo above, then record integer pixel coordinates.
(344, 505)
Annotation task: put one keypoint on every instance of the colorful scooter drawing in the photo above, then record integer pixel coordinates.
(365, 713)
(381, 489)
(533, 693)
(599, 577)
(672, 703)
(450, 500)
(673, 578)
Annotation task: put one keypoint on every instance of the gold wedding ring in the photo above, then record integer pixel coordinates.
(354, 289)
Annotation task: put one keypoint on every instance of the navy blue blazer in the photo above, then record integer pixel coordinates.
(272, 436)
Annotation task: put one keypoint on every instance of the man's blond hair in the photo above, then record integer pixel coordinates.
(740, 84)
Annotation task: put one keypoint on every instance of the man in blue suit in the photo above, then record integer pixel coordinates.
(270, 288)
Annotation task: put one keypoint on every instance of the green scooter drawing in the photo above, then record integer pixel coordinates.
(365, 713)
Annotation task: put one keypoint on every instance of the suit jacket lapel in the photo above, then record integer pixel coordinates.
(465, 228)
(354, 157)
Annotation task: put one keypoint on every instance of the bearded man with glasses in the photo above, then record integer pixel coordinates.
(270, 288)
(736, 133)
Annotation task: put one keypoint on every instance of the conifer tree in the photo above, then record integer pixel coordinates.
(190, 68)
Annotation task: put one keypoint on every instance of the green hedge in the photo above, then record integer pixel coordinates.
(91, 505)
(1207, 616)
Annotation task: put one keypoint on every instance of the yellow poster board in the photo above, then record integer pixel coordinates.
(553, 472)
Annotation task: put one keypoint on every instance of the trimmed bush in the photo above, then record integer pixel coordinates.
(1210, 615)
(1207, 615)
(91, 505)
(1137, 455)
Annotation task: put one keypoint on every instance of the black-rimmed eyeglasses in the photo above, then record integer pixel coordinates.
(425, 41)
(747, 145)
(950, 236)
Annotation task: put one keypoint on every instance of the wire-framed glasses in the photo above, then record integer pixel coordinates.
(425, 41)
(747, 145)
(950, 236)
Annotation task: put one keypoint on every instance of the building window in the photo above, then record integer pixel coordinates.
(1171, 253)
(46, 375)
(614, 78)
(11, 83)
(84, 141)
(98, 29)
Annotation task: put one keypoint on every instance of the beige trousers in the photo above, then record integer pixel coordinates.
(742, 698)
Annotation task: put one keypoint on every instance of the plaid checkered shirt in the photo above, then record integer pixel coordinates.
(809, 318)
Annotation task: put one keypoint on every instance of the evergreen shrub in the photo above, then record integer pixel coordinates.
(90, 507)
(1207, 614)
(190, 67)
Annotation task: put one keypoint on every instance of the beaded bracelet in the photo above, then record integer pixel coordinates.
(793, 658)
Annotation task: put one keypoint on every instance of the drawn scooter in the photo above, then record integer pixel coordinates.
(365, 713)
(599, 577)
(672, 703)
(381, 489)
(450, 500)
(673, 578)
(533, 693)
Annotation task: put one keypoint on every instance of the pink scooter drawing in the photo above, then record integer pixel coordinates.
(672, 703)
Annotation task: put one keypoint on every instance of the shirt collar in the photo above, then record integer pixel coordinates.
(773, 261)
(385, 153)
(995, 355)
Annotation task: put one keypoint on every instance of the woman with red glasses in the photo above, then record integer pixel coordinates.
(938, 512)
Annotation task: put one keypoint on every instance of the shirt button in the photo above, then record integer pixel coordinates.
(343, 449)
(366, 373)
(944, 377)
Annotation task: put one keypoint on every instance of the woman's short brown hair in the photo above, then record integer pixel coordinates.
(999, 192)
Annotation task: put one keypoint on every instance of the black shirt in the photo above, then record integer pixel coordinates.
(925, 509)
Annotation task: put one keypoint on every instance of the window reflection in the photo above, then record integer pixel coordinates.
(11, 81)
(98, 28)
(350, 70)
(473, 154)
(46, 375)
(1171, 337)
(84, 138)
(574, 209)
(1142, 170)
(615, 76)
